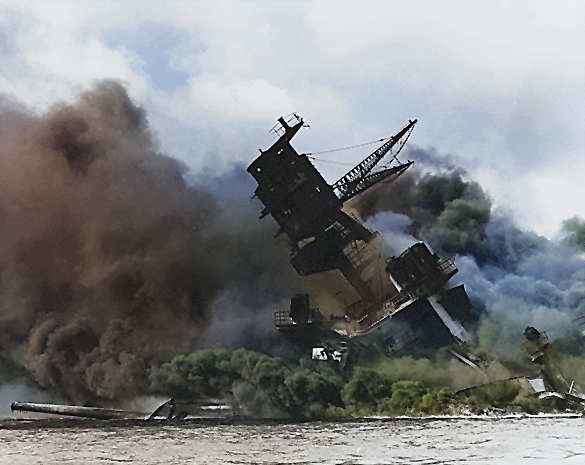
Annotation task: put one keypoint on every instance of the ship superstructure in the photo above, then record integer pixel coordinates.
(344, 260)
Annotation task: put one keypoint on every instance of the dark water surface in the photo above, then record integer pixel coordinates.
(542, 440)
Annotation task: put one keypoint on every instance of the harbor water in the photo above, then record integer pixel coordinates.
(475, 440)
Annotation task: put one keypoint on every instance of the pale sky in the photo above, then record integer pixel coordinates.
(498, 86)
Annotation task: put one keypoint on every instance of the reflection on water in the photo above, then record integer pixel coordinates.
(403, 441)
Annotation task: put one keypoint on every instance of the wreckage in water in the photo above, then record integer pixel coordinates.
(170, 410)
(357, 289)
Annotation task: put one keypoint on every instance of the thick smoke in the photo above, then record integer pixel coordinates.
(514, 277)
(109, 261)
(575, 229)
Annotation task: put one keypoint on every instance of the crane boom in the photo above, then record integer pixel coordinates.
(389, 174)
(355, 176)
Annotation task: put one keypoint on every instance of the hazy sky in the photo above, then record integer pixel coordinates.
(498, 86)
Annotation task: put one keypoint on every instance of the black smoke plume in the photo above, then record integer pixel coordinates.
(109, 261)
(514, 277)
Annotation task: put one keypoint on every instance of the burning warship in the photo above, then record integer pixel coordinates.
(362, 301)
(400, 305)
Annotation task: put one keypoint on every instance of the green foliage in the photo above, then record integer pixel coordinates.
(365, 387)
(260, 385)
(255, 401)
(406, 398)
(528, 404)
(436, 402)
(498, 394)
(263, 386)
(431, 373)
(377, 390)
(198, 375)
(304, 387)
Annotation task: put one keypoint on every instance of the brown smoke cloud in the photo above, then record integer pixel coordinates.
(109, 261)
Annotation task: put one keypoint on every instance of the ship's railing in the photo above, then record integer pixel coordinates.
(359, 253)
(389, 308)
(397, 301)
(448, 267)
(282, 318)
(291, 120)
(400, 299)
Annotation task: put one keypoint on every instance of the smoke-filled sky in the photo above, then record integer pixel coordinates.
(499, 87)
(109, 260)
(125, 129)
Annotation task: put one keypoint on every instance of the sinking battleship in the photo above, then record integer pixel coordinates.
(400, 305)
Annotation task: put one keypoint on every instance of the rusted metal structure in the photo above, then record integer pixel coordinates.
(74, 411)
(536, 344)
(170, 410)
(326, 239)
(307, 209)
